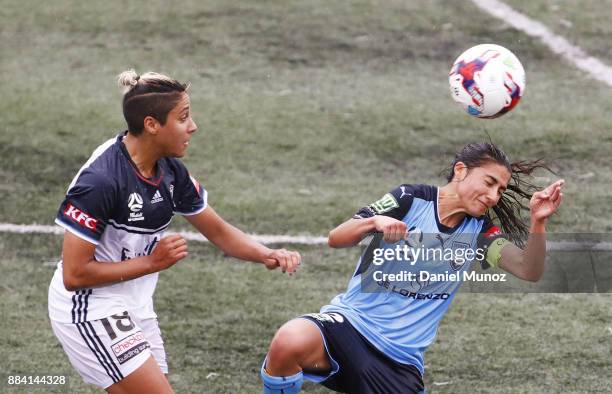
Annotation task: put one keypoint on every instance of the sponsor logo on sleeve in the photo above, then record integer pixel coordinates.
(130, 347)
(385, 204)
(80, 217)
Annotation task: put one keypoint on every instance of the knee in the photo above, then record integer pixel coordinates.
(295, 344)
(285, 347)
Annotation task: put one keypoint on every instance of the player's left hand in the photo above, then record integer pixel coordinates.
(545, 202)
(287, 260)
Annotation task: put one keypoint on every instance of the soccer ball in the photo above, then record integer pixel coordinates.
(487, 81)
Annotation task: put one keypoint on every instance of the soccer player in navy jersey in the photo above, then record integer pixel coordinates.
(372, 338)
(115, 213)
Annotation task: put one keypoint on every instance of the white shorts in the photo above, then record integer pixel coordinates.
(107, 350)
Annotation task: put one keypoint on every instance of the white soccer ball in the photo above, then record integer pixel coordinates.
(487, 81)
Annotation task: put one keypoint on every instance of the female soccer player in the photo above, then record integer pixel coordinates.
(116, 211)
(371, 339)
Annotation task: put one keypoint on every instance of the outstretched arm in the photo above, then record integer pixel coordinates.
(352, 231)
(528, 264)
(237, 244)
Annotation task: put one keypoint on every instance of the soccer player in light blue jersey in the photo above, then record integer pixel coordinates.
(372, 338)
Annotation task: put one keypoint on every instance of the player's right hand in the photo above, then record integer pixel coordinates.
(393, 230)
(287, 260)
(167, 252)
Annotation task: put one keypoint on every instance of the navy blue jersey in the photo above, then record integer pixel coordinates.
(112, 205)
(400, 317)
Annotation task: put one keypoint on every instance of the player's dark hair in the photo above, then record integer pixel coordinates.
(150, 94)
(509, 207)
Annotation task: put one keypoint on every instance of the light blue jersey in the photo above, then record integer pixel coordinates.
(400, 317)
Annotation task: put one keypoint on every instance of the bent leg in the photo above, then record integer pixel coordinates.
(148, 378)
(297, 346)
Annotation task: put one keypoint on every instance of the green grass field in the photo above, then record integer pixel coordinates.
(583, 23)
(306, 111)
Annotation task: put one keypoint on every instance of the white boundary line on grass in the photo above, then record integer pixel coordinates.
(188, 235)
(556, 43)
(283, 239)
(498, 9)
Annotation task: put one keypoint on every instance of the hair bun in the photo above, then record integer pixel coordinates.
(127, 80)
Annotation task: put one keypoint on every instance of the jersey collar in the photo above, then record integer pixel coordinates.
(159, 173)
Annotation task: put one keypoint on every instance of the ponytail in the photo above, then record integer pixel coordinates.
(511, 204)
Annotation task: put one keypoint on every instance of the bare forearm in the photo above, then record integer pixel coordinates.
(542, 205)
(535, 251)
(94, 273)
(235, 243)
(351, 232)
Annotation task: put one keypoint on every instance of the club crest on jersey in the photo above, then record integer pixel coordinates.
(385, 204)
(135, 204)
(80, 217)
(456, 245)
(157, 197)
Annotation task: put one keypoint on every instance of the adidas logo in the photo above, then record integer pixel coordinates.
(157, 197)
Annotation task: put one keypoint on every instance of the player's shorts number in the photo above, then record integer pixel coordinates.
(123, 323)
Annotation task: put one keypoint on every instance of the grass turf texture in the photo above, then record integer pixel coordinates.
(219, 315)
(302, 108)
(582, 23)
(307, 111)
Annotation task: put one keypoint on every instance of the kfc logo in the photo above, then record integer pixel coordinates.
(80, 217)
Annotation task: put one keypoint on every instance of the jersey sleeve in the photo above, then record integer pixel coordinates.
(87, 207)
(189, 196)
(491, 240)
(395, 204)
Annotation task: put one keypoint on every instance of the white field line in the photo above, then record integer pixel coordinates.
(559, 45)
(284, 239)
(188, 235)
